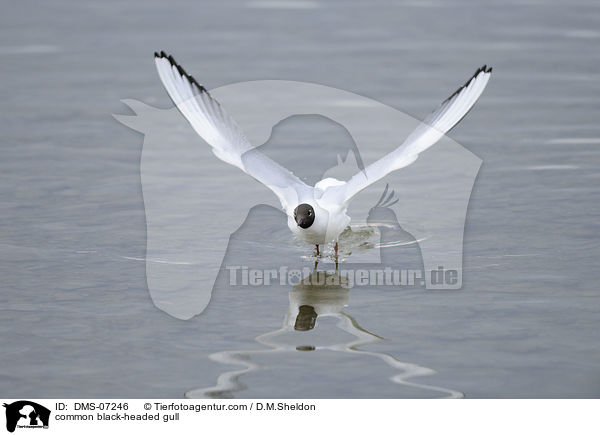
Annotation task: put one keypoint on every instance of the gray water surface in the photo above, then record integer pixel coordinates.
(75, 312)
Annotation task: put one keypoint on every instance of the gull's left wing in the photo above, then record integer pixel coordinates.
(221, 132)
(431, 130)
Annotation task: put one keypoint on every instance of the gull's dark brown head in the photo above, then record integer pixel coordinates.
(304, 215)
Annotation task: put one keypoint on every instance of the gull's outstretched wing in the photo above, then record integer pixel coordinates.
(222, 133)
(431, 130)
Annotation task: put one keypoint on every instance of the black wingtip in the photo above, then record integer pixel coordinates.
(485, 69)
(180, 70)
(163, 55)
(481, 69)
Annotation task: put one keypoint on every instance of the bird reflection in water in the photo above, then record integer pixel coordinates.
(322, 294)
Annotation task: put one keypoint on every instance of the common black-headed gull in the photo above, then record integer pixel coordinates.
(316, 214)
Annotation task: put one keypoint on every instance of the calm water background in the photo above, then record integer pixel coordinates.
(75, 314)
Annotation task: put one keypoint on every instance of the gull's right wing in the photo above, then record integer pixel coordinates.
(222, 133)
(431, 130)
